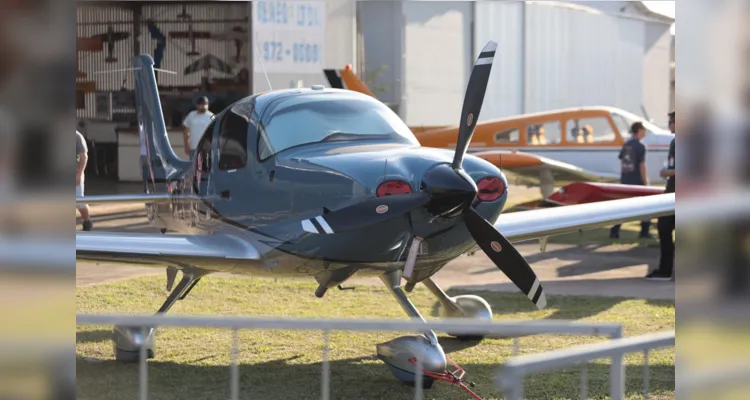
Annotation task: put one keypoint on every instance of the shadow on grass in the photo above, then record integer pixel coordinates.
(565, 307)
(586, 259)
(354, 378)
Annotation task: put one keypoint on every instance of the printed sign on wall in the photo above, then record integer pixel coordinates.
(289, 35)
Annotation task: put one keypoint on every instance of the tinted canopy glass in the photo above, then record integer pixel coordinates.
(325, 117)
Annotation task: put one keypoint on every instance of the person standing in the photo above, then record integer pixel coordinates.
(633, 171)
(195, 123)
(81, 160)
(666, 223)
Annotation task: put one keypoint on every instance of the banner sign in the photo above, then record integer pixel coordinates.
(289, 35)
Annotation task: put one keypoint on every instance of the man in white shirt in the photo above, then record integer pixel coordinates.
(195, 123)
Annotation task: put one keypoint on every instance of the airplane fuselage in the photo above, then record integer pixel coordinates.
(265, 200)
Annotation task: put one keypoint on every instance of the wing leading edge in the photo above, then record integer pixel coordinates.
(159, 250)
(534, 224)
(532, 166)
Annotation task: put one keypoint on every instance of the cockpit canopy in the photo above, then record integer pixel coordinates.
(325, 116)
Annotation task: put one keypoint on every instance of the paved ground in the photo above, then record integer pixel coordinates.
(563, 269)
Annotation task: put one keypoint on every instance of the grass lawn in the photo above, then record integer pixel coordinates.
(193, 363)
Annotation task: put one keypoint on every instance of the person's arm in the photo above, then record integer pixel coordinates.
(83, 158)
(669, 172)
(186, 133)
(644, 172)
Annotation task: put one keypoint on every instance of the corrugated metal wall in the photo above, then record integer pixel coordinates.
(577, 58)
(211, 17)
(558, 55)
(437, 39)
(502, 22)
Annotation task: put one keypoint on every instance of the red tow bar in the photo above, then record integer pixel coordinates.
(456, 377)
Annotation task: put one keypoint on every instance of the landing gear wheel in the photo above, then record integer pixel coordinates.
(163, 230)
(473, 307)
(427, 382)
(130, 357)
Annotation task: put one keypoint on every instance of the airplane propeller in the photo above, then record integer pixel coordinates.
(460, 196)
(446, 191)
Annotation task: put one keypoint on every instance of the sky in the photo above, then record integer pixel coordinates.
(662, 7)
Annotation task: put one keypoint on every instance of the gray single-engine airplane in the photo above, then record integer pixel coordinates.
(329, 183)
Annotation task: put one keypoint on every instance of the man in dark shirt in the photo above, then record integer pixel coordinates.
(633, 171)
(666, 224)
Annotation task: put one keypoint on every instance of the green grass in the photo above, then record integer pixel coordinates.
(193, 363)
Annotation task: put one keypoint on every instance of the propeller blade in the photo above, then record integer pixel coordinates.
(505, 257)
(366, 213)
(473, 100)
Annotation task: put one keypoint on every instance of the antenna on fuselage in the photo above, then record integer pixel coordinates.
(262, 66)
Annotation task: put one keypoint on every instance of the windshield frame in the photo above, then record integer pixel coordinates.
(265, 149)
(630, 118)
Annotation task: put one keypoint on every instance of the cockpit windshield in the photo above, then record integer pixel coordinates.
(624, 119)
(296, 120)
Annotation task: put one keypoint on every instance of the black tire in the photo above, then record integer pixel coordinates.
(130, 357)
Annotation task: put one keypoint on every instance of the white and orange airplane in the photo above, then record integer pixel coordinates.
(577, 144)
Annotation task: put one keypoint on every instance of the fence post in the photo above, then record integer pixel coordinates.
(143, 367)
(325, 383)
(234, 381)
(617, 372)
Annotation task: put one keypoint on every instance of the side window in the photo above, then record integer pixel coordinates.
(509, 136)
(590, 130)
(232, 142)
(543, 134)
(203, 151)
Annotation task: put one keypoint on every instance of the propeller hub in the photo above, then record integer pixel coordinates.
(451, 190)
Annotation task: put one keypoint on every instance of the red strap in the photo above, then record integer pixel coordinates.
(455, 377)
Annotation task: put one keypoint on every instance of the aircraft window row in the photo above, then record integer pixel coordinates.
(590, 130)
(315, 118)
(510, 136)
(543, 134)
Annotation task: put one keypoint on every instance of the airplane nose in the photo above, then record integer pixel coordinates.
(451, 191)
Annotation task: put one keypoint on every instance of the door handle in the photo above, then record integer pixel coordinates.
(224, 194)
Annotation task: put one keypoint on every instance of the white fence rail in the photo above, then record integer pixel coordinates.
(511, 378)
(511, 328)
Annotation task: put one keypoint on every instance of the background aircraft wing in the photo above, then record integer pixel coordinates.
(157, 250)
(533, 224)
(135, 198)
(537, 168)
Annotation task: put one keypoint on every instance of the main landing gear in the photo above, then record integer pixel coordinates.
(400, 354)
(128, 340)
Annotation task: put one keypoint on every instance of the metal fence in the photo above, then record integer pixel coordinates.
(511, 378)
(515, 329)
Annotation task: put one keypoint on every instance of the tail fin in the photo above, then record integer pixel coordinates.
(346, 79)
(151, 124)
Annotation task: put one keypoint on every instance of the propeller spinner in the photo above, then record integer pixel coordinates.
(447, 191)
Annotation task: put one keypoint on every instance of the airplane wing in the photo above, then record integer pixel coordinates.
(541, 223)
(538, 168)
(137, 198)
(157, 250)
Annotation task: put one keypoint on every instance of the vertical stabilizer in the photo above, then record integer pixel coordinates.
(151, 121)
(346, 79)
